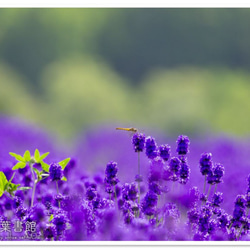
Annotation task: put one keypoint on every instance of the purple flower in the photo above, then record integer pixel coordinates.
(21, 212)
(8, 204)
(151, 148)
(206, 211)
(211, 178)
(206, 163)
(128, 218)
(238, 213)
(108, 189)
(47, 200)
(203, 197)
(203, 224)
(129, 191)
(240, 201)
(154, 187)
(248, 200)
(184, 173)
(111, 182)
(138, 141)
(96, 202)
(37, 213)
(212, 226)
(223, 221)
(17, 201)
(148, 210)
(217, 199)
(150, 200)
(193, 215)
(27, 181)
(23, 171)
(49, 232)
(111, 170)
(218, 172)
(174, 165)
(55, 172)
(164, 151)
(59, 198)
(232, 236)
(60, 221)
(182, 145)
(91, 193)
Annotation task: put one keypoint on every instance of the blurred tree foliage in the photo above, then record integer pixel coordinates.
(32, 38)
(147, 38)
(80, 93)
(132, 41)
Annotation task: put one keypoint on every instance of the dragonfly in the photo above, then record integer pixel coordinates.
(133, 130)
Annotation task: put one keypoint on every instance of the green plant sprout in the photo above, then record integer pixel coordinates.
(27, 159)
(8, 187)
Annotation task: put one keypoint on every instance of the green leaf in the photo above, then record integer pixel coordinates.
(64, 163)
(19, 165)
(51, 217)
(45, 166)
(27, 156)
(24, 188)
(64, 178)
(3, 182)
(17, 157)
(43, 156)
(11, 187)
(37, 155)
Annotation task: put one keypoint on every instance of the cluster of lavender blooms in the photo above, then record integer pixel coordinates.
(64, 202)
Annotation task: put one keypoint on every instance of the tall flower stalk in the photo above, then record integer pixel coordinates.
(138, 141)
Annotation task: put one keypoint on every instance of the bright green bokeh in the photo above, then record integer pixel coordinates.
(83, 92)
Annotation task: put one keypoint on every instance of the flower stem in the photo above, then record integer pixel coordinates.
(204, 189)
(215, 189)
(33, 193)
(57, 189)
(139, 190)
(115, 196)
(34, 185)
(209, 191)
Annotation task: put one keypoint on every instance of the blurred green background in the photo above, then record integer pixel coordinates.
(176, 70)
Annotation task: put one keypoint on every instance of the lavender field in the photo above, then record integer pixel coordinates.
(113, 186)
